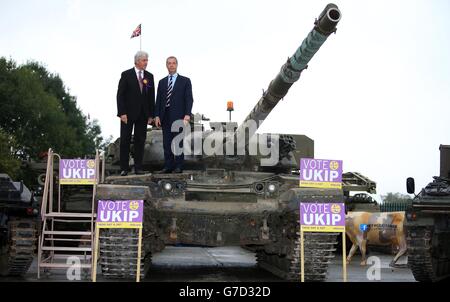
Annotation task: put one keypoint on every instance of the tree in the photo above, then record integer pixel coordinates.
(36, 113)
(8, 163)
(395, 197)
(39, 112)
(94, 134)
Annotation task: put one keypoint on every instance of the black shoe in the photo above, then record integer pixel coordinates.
(177, 170)
(139, 172)
(123, 173)
(165, 171)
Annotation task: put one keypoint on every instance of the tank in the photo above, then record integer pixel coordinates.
(18, 227)
(428, 225)
(361, 201)
(240, 198)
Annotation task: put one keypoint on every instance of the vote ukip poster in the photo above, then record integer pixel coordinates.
(322, 217)
(120, 214)
(321, 173)
(77, 171)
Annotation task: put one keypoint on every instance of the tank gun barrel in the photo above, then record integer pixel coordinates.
(290, 72)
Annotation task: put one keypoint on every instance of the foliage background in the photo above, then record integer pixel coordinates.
(37, 112)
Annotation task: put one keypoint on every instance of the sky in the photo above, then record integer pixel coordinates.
(376, 95)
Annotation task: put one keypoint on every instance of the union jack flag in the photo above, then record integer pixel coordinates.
(136, 32)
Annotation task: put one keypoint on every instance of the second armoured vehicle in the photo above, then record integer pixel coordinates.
(428, 225)
(18, 227)
(239, 199)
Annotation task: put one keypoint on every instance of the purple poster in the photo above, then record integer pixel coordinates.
(77, 171)
(322, 217)
(320, 173)
(120, 213)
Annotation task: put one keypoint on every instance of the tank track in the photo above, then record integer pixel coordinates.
(22, 247)
(319, 250)
(118, 254)
(424, 266)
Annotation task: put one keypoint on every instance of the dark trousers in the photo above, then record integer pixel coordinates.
(140, 134)
(170, 160)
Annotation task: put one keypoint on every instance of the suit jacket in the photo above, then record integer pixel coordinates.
(130, 100)
(180, 102)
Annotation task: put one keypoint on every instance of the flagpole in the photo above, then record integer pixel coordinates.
(140, 39)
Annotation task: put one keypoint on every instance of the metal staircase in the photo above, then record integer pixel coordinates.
(67, 238)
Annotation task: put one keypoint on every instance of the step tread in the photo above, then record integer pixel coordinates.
(70, 215)
(65, 256)
(67, 239)
(64, 248)
(73, 220)
(65, 265)
(87, 233)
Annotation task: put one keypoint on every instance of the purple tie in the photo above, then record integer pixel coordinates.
(141, 85)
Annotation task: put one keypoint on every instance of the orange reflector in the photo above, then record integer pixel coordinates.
(230, 106)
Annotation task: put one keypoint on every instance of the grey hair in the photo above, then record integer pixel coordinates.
(172, 57)
(140, 55)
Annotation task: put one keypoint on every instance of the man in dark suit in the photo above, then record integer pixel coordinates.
(135, 107)
(173, 103)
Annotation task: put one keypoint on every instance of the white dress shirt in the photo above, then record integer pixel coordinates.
(137, 73)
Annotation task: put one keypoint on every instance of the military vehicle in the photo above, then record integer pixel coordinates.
(428, 225)
(18, 227)
(225, 200)
(363, 187)
(362, 202)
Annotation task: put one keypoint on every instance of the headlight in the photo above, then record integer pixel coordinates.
(167, 186)
(259, 187)
(272, 188)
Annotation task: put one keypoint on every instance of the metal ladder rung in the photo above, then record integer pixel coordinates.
(67, 239)
(65, 265)
(69, 215)
(74, 233)
(65, 256)
(65, 248)
(72, 220)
